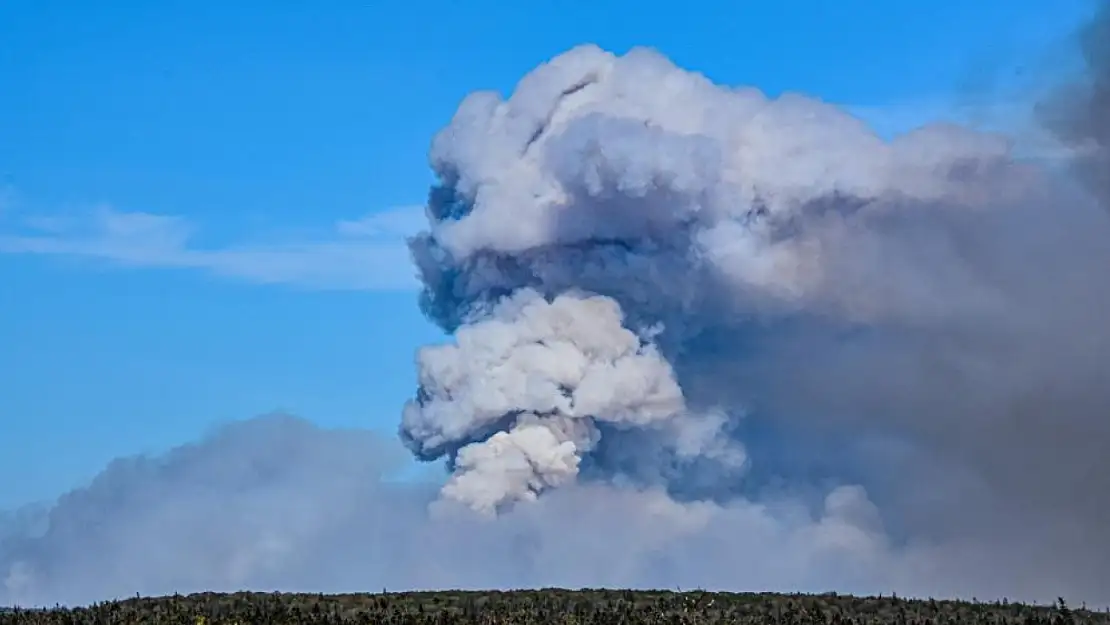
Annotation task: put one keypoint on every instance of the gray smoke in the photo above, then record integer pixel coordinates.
(701, 337)
(787, 272)
(1078, 113)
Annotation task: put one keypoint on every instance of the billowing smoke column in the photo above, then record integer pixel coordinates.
(644, 270)
(618, 227)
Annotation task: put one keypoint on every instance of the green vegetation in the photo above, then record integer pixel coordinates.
(584, 607)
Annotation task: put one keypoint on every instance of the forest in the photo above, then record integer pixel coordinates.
(549, 606)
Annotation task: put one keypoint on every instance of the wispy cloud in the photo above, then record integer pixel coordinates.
(363, 254)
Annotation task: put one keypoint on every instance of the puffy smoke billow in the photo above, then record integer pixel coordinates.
(544, 375)
(701, 337)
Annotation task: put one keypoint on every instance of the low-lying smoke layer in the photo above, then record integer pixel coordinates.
(276, 503)
(702, 337)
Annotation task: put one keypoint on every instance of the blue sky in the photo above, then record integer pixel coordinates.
(202, 205)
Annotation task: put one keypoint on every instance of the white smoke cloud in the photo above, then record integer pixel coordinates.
(556, 367)
(794, 272)
(701, 337)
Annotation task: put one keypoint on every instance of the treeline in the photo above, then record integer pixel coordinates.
(551, 606)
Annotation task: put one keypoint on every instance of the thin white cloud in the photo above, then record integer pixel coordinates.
(397, 222)
(363, 254)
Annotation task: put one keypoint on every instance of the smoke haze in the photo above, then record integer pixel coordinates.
(1078, 113)
(701, 337)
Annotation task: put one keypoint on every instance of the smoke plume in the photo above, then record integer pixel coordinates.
(1078, 113)
(701, 337)
(784, 270)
